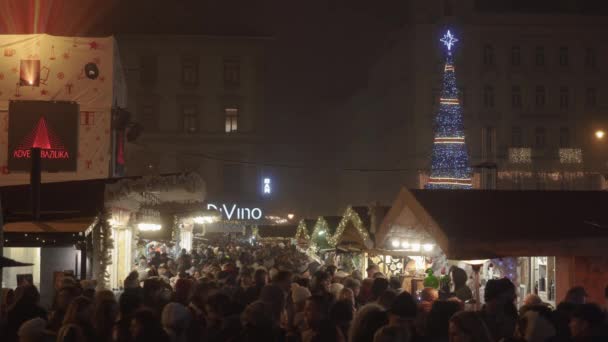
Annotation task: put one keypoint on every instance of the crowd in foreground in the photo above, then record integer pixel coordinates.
(230, 296)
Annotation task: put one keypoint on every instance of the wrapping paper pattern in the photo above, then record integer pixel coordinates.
(62, 63)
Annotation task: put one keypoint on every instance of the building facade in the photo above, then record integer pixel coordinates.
(529, 84)
(200, 102)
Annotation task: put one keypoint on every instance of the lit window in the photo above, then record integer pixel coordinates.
(516, 97)
(539, 56)
(563, 56)
(190, 70)
(540, 96)
(232, 116)
(190, 118)
(232, 71)
(515, 56)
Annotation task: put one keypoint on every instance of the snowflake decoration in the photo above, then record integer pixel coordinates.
(448, 40)
(60, 75)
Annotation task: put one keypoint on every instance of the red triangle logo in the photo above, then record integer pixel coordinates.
(41, 137)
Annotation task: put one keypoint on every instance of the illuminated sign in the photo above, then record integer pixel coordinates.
(267, 189)
(50, 126)
(230, 212)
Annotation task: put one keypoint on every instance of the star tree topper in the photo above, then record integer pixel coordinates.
(448, 40)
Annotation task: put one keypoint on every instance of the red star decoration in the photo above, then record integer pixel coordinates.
(60, 75)
(44, 92)
(93, 45)
(66, 55)
(101, 79)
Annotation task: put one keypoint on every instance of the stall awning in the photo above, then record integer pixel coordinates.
(76, 225)
(473, 224)
(279, 232)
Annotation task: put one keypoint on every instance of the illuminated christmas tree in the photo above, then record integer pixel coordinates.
(450, 161)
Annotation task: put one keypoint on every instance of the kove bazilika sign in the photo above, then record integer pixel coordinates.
(231, 212)
(51, 126)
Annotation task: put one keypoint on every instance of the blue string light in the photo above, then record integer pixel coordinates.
(450, 160)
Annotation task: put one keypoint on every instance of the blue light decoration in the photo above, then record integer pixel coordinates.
(450, 160)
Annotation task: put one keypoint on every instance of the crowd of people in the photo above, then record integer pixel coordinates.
(239, 293)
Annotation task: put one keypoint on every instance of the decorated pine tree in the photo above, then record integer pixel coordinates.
(450, 161)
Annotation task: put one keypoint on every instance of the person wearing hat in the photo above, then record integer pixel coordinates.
(500, 313)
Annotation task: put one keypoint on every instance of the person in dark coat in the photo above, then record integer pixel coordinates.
(26, 307)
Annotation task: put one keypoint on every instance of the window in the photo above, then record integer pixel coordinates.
(190, 118)
(564, 137)
(540, 96)
(462, 96)
(590, 58)
(148, 70)
(563, 56)
(564, 96)
(190, 71)
(540, 136)
(591, 97)
(147, 117)
(488, 136)
(231, 177)
(516, 137)
(232, 116)
(488, 97)
(539, 56)
(515, 56)
(488, 55)
(232, 71)
(516, 97)
(436, 94)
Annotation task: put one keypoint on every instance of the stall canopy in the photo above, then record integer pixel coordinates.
(353, 231)
(304, 231)
(274, 232)
(476, 224)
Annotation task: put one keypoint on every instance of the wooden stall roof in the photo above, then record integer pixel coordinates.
(283, 232)
(473, 224)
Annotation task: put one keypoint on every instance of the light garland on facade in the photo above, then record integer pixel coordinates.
(450, 160)
(520, 155)
(570, 156)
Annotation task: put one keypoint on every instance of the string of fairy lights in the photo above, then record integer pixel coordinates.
(450, 167)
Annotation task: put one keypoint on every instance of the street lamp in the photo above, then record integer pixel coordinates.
(599, 134)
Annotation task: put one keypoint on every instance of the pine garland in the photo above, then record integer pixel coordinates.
(103, 245)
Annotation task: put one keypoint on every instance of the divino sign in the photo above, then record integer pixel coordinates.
(233, 212)
(48, 125)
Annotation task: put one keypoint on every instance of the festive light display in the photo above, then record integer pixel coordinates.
(450, 161)
(520, 155)
(570, 155)
(349, 216)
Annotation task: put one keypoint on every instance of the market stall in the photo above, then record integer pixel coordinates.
(304, 232)
(275, 234)
(321, 237)
(508, 231)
